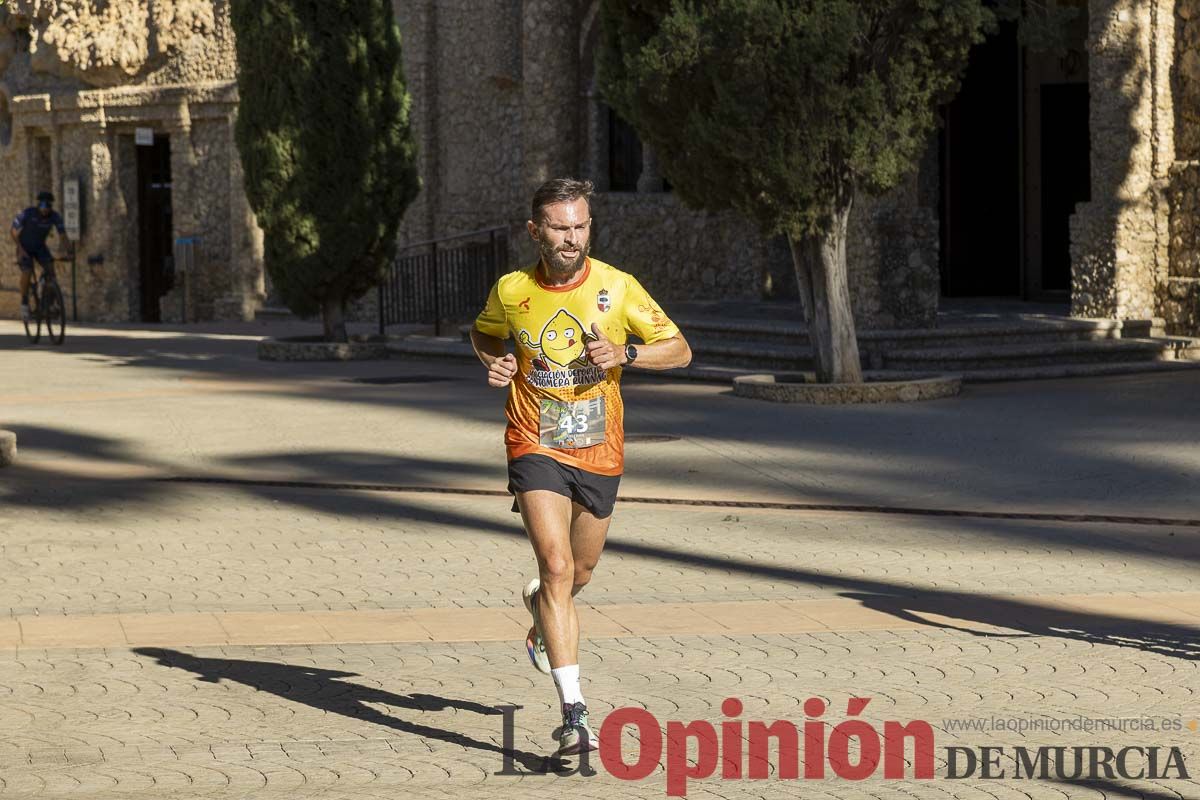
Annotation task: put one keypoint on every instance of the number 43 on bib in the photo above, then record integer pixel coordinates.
(571, 425)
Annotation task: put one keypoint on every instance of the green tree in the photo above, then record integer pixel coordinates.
(786, 110)
(326, 146)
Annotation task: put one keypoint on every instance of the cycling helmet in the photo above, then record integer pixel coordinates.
(45, 197)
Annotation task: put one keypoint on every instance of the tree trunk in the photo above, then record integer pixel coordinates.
(333, 314)
(820, 263)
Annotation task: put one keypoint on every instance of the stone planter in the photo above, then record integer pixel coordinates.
(8, 448)
(313, 348)
(799, 387)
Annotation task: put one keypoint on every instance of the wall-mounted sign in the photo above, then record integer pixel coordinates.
(72, 213)
(143, 137)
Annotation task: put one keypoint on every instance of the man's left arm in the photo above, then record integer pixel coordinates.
(67, 245)
(664, 348)
(669, 353)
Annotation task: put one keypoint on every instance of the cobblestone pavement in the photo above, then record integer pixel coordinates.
(965, 623)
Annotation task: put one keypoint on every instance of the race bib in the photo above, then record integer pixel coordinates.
(571, 425)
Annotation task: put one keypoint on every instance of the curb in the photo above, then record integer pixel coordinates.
(8, 448)
(801, 388)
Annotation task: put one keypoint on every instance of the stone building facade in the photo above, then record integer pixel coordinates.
(1083, 184)
(523, 106)
(1115, 239)
(135, 101)
(1134, 246)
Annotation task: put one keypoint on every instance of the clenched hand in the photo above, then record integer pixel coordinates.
(602, 352)
(502, 371)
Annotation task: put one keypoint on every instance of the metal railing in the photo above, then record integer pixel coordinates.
(442, 280)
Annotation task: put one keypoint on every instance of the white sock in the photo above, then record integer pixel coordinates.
(566, 681)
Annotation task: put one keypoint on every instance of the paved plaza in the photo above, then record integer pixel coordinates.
(227, 578)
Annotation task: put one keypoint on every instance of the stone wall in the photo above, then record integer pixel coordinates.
(1185, 77)
(1179, 294)
(463, 62)
(680, 254)
(892, 257)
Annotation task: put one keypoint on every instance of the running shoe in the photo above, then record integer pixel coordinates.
(535, 645)
(575, 736)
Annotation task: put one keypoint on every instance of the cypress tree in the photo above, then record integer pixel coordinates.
(326, 146)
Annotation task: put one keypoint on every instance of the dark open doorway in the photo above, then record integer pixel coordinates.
(154, 225)
(1066, 176)
(981, 174)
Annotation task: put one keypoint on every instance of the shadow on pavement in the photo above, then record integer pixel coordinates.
(72, 443)
(905, 603)
(322, 689)
(31, 483)
(1176, 641)
(40, 485)
(901, 601)
(1112, 791)
(1116, 446)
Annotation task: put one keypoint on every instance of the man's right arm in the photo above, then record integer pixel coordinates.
(501, 365)
(15, 233)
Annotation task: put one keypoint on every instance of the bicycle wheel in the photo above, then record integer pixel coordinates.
(33, 325)
(55, 313)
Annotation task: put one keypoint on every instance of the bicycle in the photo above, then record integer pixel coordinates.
(46, 305)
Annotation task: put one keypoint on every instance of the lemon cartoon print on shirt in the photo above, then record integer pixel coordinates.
(561, 342)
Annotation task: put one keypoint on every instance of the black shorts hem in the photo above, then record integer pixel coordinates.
(534, 471)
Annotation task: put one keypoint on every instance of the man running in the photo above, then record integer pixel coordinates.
(29, 232)
(569, 316)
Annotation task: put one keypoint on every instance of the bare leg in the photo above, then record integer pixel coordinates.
(588, 534)
(26, 280)
(567, 541)
(547, 517)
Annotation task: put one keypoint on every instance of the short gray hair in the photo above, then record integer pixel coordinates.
(560, 190)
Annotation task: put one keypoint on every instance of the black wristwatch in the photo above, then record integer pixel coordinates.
(630, 354)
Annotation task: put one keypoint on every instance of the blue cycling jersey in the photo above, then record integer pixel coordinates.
(35, 228)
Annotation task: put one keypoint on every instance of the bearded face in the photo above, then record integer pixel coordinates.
(564, 237)
(564, 259)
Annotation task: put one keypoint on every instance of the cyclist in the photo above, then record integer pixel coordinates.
(29, 231)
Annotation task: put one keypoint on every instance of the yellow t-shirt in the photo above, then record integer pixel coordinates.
(559, 404)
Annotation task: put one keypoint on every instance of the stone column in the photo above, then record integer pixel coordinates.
(550, 104)
(1119, 240)
(123, 256)
(98, 195)
(651, 179)
(88, 154)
